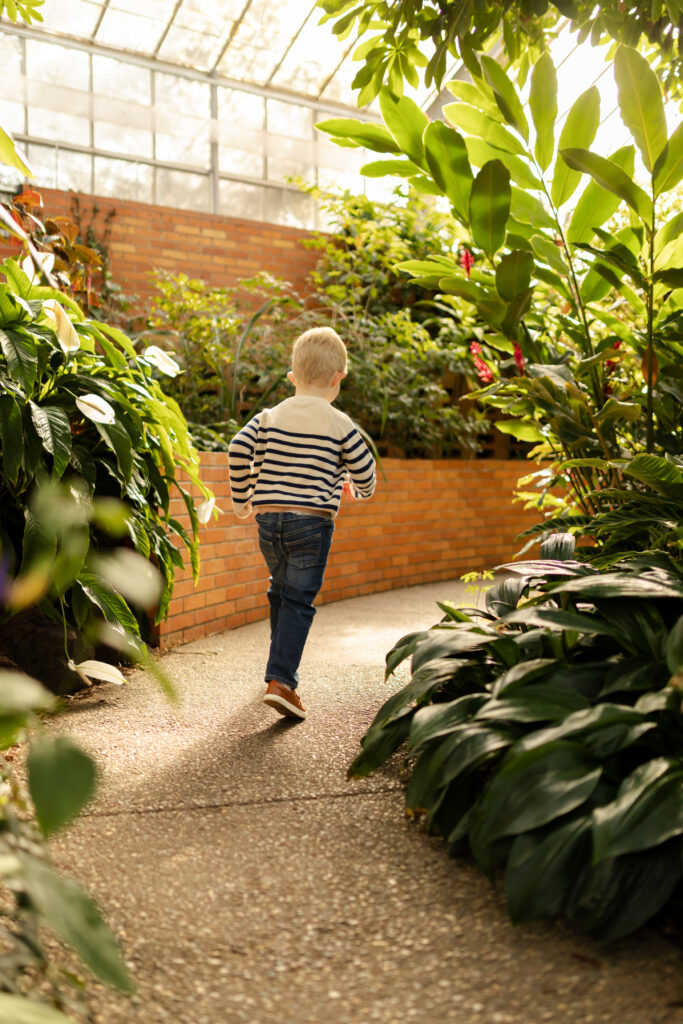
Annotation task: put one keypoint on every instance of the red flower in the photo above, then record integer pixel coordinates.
(519, 359)
(467, 261)
(475, 348)
(484, 372)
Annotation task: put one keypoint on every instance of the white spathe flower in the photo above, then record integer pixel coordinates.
(96, 409)
(45, 260)
(206, 509)
(66, 332)
(89, 670)
(162, 360)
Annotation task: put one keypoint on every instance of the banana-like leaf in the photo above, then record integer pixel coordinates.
(657, 472)
(447, 158)
(543, 106)
(596, 204)
(578, 132)
(467, 748)
(640, 103)
(490, 206)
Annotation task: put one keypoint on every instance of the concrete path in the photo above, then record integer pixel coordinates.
(251, 882)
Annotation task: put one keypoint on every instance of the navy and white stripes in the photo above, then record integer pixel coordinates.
(298, 455)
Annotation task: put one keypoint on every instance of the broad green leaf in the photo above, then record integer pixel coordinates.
(117, 438)
(447, 158)
(22, 360)
(61, 780)
(12, 437)
(669, 168)
(490, 206)
(351, 132)
(18, 281)
(474, 122)
(381, 168)
(480, 151)
(647, 811)
(543, 106)
(611, 177)
(615, 410)
(674, 648)
(578, 132)
(406, 122)
(20, 1010)
(475, 94)
(657, 472)
(467, 748)
(546, 250)
(466, 289)
(513, 274)
(21, 694)
(112, 605)
(434, 720)
(506, 97)
(640, 103)
(596, 205)
(541, 869)
(528, 209)
(75, 917)
(10, 156)
(523, 431)
(54, 430)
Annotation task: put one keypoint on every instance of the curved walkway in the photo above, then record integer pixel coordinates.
(251, 882)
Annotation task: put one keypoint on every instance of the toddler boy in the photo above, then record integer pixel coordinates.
(290, 465)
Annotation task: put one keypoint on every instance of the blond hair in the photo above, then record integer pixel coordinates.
(317, 356)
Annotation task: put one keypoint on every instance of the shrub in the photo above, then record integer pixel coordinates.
(547, 735)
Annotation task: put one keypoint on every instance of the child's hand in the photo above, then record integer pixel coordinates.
(347, 492)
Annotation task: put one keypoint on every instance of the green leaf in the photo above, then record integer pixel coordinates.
(351, 132)
(657, 472)
(117, 438)
(448, 161)
(528, 209)
(474, 122)
(406, 122)
(531, 789)
(490, 206)
(542, 868)
(20, 694)
(75, 917)
(669, 168)
(520, 429)
(435, 720)
(112, 605)
(578, 132)
(513, 274)
(543, 105)
(11, 437)
(381, 168)
(61, 780)
(648, 810)
(54, 430)
(596, 205)
(611, 177)
(480, 151)
(615, 410)
(10, 156)
(507, 99)
(640, 103)
(22, 360)
(20, 1010)
(674, 648)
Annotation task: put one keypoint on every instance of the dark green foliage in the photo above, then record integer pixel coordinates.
(547, 733)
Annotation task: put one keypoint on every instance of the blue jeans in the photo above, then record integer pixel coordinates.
(295, 548)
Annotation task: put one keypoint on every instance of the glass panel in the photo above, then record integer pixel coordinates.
(289, 208)
(74, 171)
(186, 191)
(130, 31)
(72, 17)
(11, 63)
(237, 199)
(182, 95)
(123, 179)
(239, 161)
(290, 119)
(57, 64)
(196, 49)
(262, 38)
(120, 80)
(160, 10)
(116, 139)
(10, 180)
(240, 132)
(311, 60)
(50, 124)
(215, 16)
(43, 161)
(281, 169)
(12, 117)
(193, 148)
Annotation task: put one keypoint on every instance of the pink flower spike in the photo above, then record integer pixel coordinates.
(467, 261)
(484, 372)
(475, 348)
(519, 359)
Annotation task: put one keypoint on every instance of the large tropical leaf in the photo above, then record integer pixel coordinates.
(657, 472)
(506, 97)
(490, 206)
(407, 123)
(513, 274)
(61, 781)
(12, 437)
(54, 430)
(353, 133)
(543, 106)
(648, 810)
(19, 350)
(474, 122)
(669, 168)
(578, 132)
(542, 868)
(611, 177)
(447, 158)
(640, 103)
(596, 204)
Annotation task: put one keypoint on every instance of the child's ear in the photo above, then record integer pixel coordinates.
(290, 378)
(338, 378)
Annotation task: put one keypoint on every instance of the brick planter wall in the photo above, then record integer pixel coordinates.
(428, 521)
(220, 250)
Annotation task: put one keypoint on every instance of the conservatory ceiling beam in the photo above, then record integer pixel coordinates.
(168, 68)
(167, 29)
(233, 32)
(294, 38)
(100, 16)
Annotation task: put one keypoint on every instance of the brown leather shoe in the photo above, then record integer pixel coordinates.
(284, 700)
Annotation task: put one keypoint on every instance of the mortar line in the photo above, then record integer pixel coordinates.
(140, 811)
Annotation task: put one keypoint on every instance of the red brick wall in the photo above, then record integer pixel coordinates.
(428, 521)
(220, 250)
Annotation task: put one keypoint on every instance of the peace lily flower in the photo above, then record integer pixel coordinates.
(96, 409)
(66, 332)
(89, 670)
(45, 261)
(162, 360)
(205, 510)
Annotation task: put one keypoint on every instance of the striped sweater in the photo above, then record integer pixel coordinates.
(298, 455)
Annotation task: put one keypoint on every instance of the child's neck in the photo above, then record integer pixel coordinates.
(311, 391)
